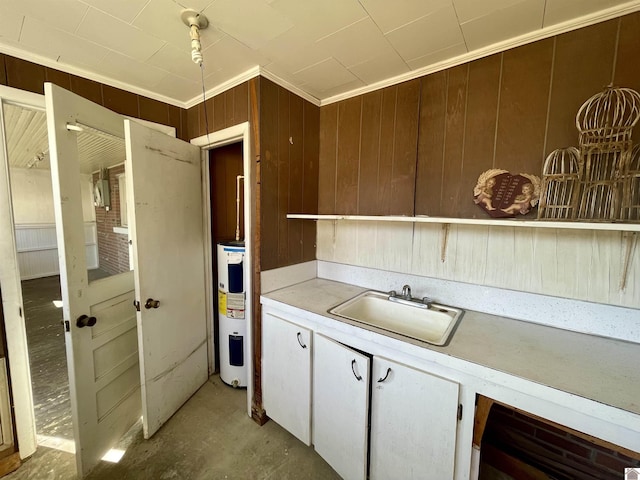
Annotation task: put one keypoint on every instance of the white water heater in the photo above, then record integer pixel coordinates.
(232, 325)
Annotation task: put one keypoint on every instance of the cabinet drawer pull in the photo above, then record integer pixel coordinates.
(300, 340)
(353, 369)
(380, 380)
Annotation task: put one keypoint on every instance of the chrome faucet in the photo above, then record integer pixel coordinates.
(406, 298)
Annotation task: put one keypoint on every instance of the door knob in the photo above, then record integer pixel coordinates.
(151, 303)
(85, 321)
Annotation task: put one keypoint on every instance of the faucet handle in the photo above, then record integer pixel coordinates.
(427, 301)
(393, 293)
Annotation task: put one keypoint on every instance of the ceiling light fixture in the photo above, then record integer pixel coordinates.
(196, 22)
(37, 158)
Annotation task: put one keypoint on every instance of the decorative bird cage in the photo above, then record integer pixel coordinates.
(605, 122)
(608, 116)
(631, 188)
(560, 185)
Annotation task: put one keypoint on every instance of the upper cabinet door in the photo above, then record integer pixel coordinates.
(166, 229)
(102, 340)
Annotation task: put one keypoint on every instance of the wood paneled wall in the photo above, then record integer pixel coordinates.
(222, 111)
(294, 186)
(575, 264)
(417, 148)
(24, 75)
(284, 136)
(368, 152)
(289, 128)
(287, 163)
(225, 164)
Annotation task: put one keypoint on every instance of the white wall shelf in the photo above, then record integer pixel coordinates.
(623, 227)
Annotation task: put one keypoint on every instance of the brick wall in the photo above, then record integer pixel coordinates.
(113, 248)
(558, 453)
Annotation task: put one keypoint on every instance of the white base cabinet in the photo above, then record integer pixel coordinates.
(414, 419)
(286, 375)
(371, 417)
(340, 407)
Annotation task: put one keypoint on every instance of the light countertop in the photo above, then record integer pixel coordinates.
(597, 368)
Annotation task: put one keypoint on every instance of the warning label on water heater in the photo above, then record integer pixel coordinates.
(222, 302)
(235, 305)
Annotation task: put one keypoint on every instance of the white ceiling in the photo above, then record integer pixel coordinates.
(321, 48)
(28, 145)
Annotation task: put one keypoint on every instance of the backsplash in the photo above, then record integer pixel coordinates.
(574, 315)
(571, 264)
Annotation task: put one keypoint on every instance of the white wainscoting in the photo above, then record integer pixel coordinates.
(37, 249)
(574, 264)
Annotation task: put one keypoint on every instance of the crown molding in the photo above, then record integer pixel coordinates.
(224, 86)
(289, 86)
(249, 74)
(65, 67)
(546, 32)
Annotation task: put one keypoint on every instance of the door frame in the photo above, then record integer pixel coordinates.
(220, 138)
(17, 349)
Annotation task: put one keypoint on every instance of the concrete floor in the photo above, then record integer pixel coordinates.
(47, 357)
(210, 437)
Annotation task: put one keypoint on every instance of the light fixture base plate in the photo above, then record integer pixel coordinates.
(192, 17)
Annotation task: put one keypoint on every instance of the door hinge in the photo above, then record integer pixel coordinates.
(20, 311)
(459, 412)
(67, 327)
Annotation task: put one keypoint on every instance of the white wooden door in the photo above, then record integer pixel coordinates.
(166, 229)
(104, 375)
(286, 375)
(413, 423)
(340, 407)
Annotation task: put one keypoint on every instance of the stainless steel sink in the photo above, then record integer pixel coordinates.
(431, 323)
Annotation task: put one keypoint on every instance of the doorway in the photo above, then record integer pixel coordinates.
(214, 146)
(225, 166)
(107, 374)
(36, 249)
(106, 252)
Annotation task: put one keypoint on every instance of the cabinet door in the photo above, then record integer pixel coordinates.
(413, 423)
(286, 375)
(340, 407)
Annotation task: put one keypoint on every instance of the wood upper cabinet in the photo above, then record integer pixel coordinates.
(286, 375)
(340, 407)
(413, 423)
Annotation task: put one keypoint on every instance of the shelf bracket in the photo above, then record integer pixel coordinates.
(445, 240)
(631, 238)
(335, 231)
